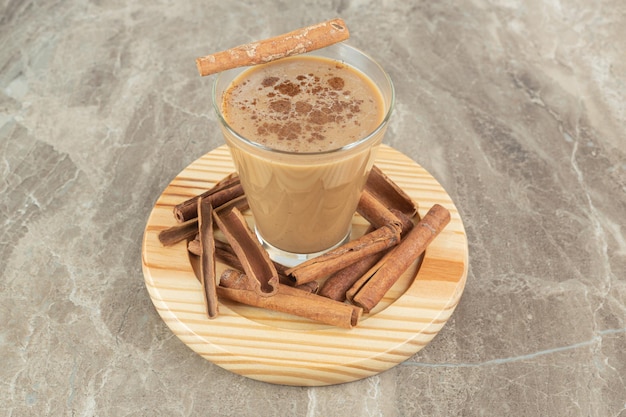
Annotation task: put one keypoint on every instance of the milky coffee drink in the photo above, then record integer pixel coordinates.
(298, 112)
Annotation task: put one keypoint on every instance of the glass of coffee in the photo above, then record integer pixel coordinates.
(303, 133)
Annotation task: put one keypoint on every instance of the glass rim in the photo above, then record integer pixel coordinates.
(352, 145)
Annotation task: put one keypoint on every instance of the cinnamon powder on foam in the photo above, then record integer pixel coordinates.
(303, 104)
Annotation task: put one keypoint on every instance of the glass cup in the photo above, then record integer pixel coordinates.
(303, 203)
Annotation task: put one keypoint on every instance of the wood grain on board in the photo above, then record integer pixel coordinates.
(283, 349)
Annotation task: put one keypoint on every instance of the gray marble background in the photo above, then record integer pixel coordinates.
(517, 107)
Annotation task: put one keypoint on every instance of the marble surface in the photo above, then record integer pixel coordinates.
(517, 107)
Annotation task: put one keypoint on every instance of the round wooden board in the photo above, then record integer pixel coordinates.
(283, 349)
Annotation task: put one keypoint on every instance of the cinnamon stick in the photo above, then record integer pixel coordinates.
(405, 221)
(207, 257)
(189, 228)
(179, 232)
(238, 287)
(375, 283)
(336, 259)
(389, 193)
(255, 261)
(336, 285)
(224, 252)
(224, 191)
(375, 212)
(299, 41)
(312, 286)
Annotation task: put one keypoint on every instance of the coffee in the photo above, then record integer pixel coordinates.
(303, 132)
(303, 104)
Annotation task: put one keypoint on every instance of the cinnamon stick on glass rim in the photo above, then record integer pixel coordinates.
(299, 41)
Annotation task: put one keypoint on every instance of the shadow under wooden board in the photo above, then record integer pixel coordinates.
(283, 349)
